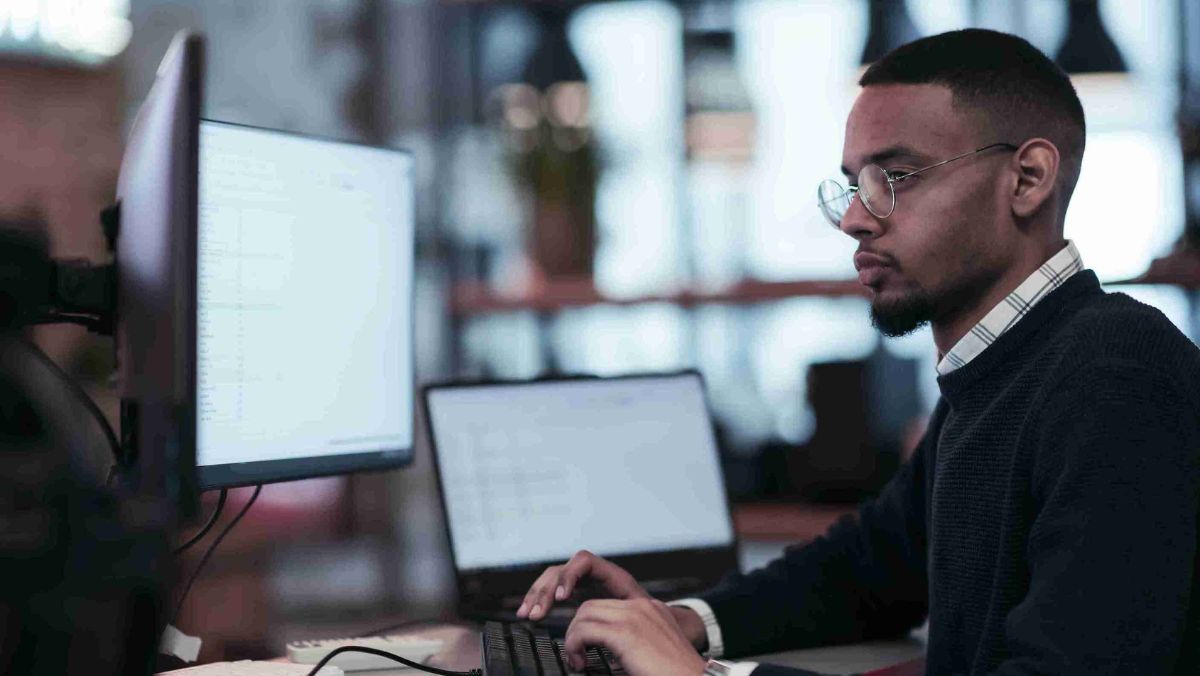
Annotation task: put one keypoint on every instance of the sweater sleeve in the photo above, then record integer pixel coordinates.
(1112, 545)
(864, 579)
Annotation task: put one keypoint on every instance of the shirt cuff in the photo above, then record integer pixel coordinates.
(742, 668)
(716, 646)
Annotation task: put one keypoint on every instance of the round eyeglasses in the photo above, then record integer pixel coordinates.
(876, 188)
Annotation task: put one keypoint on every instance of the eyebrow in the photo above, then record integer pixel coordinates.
(889, 153)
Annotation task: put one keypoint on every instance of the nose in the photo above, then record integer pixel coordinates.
(860, 223)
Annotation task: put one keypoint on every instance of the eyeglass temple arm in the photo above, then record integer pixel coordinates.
(959, 157)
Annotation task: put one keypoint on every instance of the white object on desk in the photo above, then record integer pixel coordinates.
(179, 644)
(414, 648)
(252, 668)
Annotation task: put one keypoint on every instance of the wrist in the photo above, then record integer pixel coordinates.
(692, 626)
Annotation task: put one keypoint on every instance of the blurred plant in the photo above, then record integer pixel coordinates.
(546, 124)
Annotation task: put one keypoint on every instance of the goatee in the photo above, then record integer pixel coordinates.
(901, 316)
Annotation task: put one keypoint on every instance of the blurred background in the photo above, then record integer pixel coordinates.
(604, 187)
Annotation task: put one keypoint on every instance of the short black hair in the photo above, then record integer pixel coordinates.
(1015, 88)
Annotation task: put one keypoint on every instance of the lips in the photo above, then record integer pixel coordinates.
(871, 268)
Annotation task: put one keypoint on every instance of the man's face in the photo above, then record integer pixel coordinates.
(949, 237)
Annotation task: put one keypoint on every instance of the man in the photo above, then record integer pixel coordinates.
(1047, 522)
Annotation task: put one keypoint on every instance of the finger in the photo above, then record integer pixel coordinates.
(582, 564)
(587, 635)
(623, 584)
(613, 578)
(549, 591)
(601, 623)
(537, 592)
(542, 599)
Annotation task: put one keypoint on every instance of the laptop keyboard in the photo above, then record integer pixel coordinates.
(518, 649)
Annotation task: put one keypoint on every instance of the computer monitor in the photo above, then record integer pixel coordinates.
(305, 315)
(86, 553)
(156, 280)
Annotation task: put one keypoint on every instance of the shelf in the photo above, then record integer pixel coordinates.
(786, 521)
(473, 298)
(1179, 268)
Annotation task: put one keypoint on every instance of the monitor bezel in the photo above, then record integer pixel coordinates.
(154, 327)
(483, 592)
(233, 475)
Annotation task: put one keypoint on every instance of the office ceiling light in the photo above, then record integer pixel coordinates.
(87, 32)
(1087, 47)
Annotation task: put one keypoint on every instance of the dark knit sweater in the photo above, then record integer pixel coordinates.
(1046, 524)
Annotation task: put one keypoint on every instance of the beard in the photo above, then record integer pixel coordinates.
(901, 316)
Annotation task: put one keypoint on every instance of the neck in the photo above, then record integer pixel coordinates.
(950, 328)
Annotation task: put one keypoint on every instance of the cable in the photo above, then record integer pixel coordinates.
(383, 653)
(207, 527)
(212, 548)
(83, 397)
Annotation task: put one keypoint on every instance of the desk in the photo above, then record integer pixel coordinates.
(845, 659)
(462, 652)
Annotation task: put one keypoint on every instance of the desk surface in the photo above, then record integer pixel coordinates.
(462, 652)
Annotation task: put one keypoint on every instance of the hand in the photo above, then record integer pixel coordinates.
(557, 583)
(642, 633)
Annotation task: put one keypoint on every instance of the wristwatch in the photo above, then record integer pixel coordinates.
(718, 668)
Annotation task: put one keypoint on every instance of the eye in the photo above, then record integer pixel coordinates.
(895, 174)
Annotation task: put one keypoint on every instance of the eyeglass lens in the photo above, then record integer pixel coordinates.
(874, 190)
(834, 200)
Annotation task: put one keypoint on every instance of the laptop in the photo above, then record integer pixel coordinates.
(531, 472)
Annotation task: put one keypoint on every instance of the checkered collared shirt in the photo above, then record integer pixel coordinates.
(1009, 311)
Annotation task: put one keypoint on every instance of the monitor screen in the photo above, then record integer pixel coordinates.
(305, 317)
(533, 472)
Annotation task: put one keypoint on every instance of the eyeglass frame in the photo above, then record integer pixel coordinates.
(852, 190)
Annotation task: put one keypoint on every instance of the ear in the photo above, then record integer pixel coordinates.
(1036, 164)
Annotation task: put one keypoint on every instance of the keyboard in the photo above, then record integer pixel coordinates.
(521, 649)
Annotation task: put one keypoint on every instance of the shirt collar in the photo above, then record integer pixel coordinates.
(1015, 305)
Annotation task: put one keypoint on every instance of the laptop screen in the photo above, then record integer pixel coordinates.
(534, 472)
